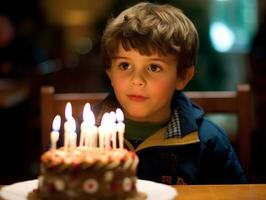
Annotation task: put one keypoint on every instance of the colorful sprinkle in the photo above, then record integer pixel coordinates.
(127, 184)
(90, 186)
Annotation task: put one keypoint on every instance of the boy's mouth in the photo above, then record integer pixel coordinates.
(137, 98)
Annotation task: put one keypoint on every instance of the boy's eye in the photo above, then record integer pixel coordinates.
(154, 68)
(124, 66)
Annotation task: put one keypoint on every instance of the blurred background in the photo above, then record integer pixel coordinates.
(48, 42)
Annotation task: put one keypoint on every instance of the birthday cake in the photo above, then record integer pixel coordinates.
(98, 168)
(88, 174)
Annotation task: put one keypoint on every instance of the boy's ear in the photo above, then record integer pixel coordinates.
(182, 82)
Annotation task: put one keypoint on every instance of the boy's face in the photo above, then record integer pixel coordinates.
(144, 85)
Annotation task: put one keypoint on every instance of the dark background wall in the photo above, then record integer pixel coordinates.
(57, 43)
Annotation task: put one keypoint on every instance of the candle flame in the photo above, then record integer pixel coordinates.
(104, 120)
(112, 116)
(88, 115)
(86, 111)
(56, 123)
(119, 115)
(68, 111)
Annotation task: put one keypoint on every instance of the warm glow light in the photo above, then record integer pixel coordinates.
(54, 136)
(86, 111)
(88, 115)
(120, 126)
(56, 123)
(119, 115)
(88, 134)
(104, 120)
(112, 116)
(68, 111)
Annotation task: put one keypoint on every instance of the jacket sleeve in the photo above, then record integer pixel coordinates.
(219, 163)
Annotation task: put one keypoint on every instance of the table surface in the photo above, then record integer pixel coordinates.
(221, 192)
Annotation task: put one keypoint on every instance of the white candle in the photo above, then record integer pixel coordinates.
(83, 134)
(54, 136)
(120, 127)
(107, 133)
(113, 129)
(67, 124)
(103, 131)
(101, 136)
(72, 140)
(88, 128)
(84, 127)
(72, 137)
(92, 133)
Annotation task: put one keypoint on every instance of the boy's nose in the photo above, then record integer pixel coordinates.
(138, 80)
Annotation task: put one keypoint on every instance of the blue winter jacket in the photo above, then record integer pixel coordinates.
(201, 154)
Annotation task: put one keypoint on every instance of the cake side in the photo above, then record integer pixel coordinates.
(88, 173)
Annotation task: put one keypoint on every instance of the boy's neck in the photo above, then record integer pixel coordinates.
(139, 131)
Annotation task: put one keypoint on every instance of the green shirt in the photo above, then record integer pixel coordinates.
(139, 131)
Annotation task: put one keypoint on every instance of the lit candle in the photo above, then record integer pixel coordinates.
(92, 133)
(84, 126)
(107, 132)
(72, 137)
(67, 124)
(113, 129)
(88, 128)
(103, 131)
(54, 136)
(120, 127)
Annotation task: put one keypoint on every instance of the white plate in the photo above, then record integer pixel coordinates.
(154, 191)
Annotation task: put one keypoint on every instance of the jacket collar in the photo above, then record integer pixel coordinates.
(182, 128)
(158, 140)
(184, 117)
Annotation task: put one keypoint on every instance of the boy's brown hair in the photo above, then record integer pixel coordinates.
(150, 28)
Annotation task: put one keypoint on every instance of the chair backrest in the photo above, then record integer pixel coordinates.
(237, 102)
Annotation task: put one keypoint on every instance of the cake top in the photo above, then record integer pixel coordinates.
(88, 157)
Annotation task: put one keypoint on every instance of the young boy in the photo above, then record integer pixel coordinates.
(150, 54)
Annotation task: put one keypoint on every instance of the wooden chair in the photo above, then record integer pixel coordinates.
(238, 102)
